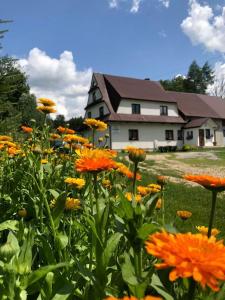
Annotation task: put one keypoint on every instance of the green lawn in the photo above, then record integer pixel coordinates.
(179, 196)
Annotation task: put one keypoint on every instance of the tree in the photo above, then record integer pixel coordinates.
(76, 123)
(2, 32)
(196, 80)
(59, 121)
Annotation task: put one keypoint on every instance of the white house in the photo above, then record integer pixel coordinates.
(141, 113)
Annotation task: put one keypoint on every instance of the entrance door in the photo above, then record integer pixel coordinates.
(201, 138)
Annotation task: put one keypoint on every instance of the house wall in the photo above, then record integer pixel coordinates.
(95, 110)
(195, 140)
(151, 136)
(151, 108)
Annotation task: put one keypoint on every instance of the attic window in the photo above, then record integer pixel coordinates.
(163, 110)
(136, 109)
(94, 96)
(101, 111)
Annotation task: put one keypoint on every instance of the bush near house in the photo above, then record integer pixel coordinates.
(79, 225)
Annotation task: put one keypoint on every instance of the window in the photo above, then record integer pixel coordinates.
(180, 135)
(136, 109)
(89, 114)
(207, 134)
(189, 135)
(223, 122)
(94, 96)
(101, 111)
(224, 132)
(163, 110)
(133, 135)
(169, 135)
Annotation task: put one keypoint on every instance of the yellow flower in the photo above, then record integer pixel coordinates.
(159, 203)
(49, 151)
(46, 109)
(54, 136)
(136, 154)
(72, 204)
(106, 183)
(100, 139)
(95, 124)
(22, 212)
(184, 214)
(46, 102)
(52, 203)
(204, 230)
(78, 183)
(5, 138)
(70, 138)
(129, 197)
(154, 188)
(44, 161)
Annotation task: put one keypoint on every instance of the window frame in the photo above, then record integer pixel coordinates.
(136, 109)
(89, 114)
(207, 133)
(189, 135)
(167, 135)
(132, 136)
(101, 111)
(163, 110)
(180, 135)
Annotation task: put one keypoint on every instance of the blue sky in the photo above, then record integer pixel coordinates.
(148, 43)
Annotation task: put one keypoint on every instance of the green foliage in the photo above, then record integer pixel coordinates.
(196, 80)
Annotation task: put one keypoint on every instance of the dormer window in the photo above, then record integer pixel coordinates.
(163, 110)
(94, 96)
(101, 111)
(136, 108)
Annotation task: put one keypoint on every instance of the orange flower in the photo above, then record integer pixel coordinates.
(5, 138)
(161, 180)
(64, 130)
(72, 204)
(184, 214)
(136, 154)
(94, 161)
(46, 102)
(129, 197)
(54, 136)
(189, 255)
(209, 182)
(143, 190)
(122, 169)
(46, 109)
(159, 203)
(78, 183)
(204, 230)
(70, 138)
(26, 129)
(154, 188)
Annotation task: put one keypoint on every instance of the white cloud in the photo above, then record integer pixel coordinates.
(135, 6)
(218, 87)
(202, 26)
(58, 79)
(165, 3)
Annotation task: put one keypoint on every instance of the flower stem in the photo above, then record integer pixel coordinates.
(135, 178)
(213, 208)
(191, 291)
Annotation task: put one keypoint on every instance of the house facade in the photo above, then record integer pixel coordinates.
(141, 113)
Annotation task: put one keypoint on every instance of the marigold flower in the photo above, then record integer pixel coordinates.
(189, 255)
(78, 183)
(5, 138)
(159, 203)
(100, 139)
(54, 136)
(72, 204)
(64, 130)
(136, 154)
(143, 190)
(52, 203)
(161, 180)
(46, 102)
(95, 124)
(44, 161)
(184, 214)
(129, 197)
(8, 144)
(46, 109)
(208, 182)
(154, 188)
(204, 230)
(72, 138)
(13, 151)
(26, 129)
(123, 169)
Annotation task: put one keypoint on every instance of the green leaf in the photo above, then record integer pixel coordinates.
(64, 292)
(59, 208)
(93, 228)
(151, 204)
(10, 225)
(110, 248)
(62, 240)
(125, 208)
(54, 193)
(158, 286)
(146, 229)
(128, 272)
(41, 272)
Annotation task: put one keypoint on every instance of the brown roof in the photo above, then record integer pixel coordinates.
(131, 88)
(195, 123)
(144, 118)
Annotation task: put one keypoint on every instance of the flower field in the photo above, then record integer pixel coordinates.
(77, 223)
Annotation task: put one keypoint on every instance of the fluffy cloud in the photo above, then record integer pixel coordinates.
(58, 79)
(202, 26)
(218, 87)
(135, 6)
(166, 3)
